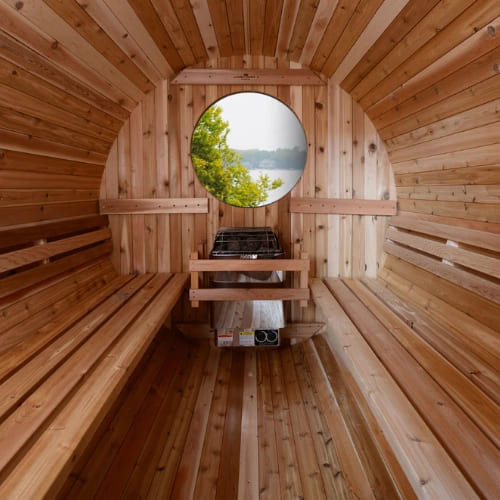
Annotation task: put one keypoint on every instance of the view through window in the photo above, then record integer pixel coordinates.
(248, 149)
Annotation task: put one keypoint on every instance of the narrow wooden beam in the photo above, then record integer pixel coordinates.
(232, 294)
(154, 206)
(343, 207)
(283, 76)
(304, 276)
(205, 265)
(195, 280)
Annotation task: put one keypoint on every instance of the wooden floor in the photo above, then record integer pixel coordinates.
(200, 422)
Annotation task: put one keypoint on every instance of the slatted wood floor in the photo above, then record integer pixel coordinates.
(198, 422)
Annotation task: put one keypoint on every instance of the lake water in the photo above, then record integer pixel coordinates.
(289, 178)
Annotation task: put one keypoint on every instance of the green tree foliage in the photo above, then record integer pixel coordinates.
(219, 167)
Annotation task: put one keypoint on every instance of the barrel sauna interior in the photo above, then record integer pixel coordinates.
(385, 385)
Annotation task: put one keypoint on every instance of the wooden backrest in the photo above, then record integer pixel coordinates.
(467, 255)
(32, 256)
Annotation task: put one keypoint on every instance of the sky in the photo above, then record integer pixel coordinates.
(258, 121)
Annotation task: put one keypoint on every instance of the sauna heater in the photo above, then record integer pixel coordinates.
(251, 322)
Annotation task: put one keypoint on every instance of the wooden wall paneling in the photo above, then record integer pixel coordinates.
(407, 18)
(175, 30)
(471, 51)
(162, 173)
(237, 213)
(305, 17)
(107, 20)
(203, 18)
(123, 238)
(236, 26)
(346, 182)
(372, 156)
(150, 19)
(271, 210)
(174, 168)
(288, 16)
(187, 172)
(150, 179)
(16, 77)
(471, 18)
(57, 28)
(112, 187)
(60, 67)
(309, 186)
(321, 184)
(359, 157)
(257, 10)
(272, 18)
(364, 12)
(220, 23)
(334, 151)
(319, 24)
(336, 26)
(425, 30)
(137, 188)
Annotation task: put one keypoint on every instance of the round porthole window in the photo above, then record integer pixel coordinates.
(248, 149)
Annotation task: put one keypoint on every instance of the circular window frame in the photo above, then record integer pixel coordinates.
(272, 97)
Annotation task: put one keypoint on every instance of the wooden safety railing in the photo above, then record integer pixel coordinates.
(197, 294)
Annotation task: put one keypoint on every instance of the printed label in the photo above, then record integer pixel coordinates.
(247, 338)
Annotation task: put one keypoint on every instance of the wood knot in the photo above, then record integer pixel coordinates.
(319, 105)
(491, 30)
(19, 5)
(372, 148)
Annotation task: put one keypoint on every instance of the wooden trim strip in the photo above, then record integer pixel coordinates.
(154, 206)
(232, 294)
(18, 258)
(282, 76)
(206, 265)
(344, 207)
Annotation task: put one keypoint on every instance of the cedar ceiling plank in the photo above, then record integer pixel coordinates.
(67, 50)
(24, 103)
(117, 31)
(341, 16)
(461, 90)
(322, 17)
(484, 41)
(80, 21)
(29, 144)
(203, 19)
(257, 17)
(149, 17)
(434, 22)
(220, 21)
(465, 25)
(16, 77)
(273, 17)
(174, 28)
(303, 22)
(30, 61)
(184, 11)
(36, 127)
(406, 20)
(364, 12)
(14, 160)
(236, 25)
(290, 9)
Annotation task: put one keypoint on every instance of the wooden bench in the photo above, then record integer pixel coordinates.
(433, 391)
(71, 333)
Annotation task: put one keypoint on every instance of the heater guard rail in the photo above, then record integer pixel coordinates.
(197, 294)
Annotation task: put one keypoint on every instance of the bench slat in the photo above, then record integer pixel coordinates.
(47, 463)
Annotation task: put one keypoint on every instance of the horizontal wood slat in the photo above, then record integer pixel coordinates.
(19, 258)
(155, 206)
(342, 206)
(231, 294)
(458, 276)
(248, 77)
(249, 265)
